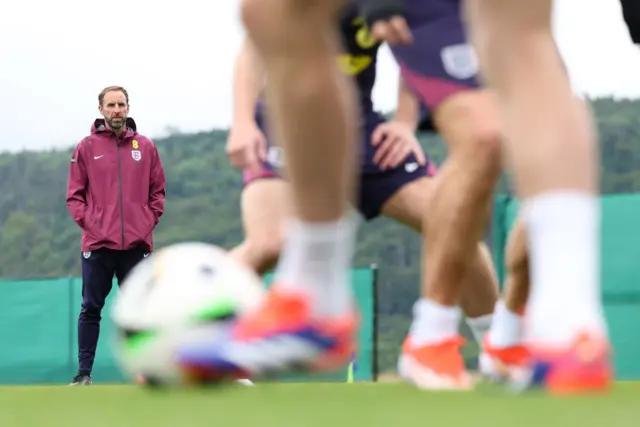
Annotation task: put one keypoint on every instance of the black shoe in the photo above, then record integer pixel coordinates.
(81, 379)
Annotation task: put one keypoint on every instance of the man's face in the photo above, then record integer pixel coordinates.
(114, 109)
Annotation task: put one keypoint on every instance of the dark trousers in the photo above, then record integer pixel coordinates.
(98, 269)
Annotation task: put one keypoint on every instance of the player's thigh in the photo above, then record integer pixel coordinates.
(292, 7)
(470, 117)
(98, 269)
(516, 17)
(400, 193)
(269, 21)
(512, 39)
(441, 67)
(469, 122)
(266, 206)
(410, 203)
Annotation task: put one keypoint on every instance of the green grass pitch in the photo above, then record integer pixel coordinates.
(310, 405)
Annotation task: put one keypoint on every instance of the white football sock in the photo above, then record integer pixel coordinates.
(433, 323)
(317, 259)
(564, 242)
(480, 326)
(506, 330)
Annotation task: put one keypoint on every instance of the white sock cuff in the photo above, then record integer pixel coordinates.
(433, 322)
(480, 326)
(480, 320)
(551, 204)
(501, 308)
(424, 305)
(345, 226)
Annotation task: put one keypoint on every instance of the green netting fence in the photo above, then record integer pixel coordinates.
(38, 331)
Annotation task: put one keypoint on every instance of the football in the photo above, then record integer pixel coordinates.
(180, 294)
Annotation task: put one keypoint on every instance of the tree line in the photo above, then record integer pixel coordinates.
(39, 239)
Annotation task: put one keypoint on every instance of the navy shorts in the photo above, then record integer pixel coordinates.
(440, 63)
(375, 186)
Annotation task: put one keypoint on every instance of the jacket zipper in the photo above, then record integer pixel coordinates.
(120, 191)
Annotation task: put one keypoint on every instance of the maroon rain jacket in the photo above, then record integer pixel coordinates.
(116, 188)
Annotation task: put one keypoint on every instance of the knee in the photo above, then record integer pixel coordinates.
(487, 139)
(90, 311)
(479, 115)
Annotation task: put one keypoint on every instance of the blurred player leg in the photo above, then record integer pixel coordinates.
(437, 63)
(459, 213)
(264, 201)
(516, 284)
(479, 293)
(265, 206)
(455, 220)
(480, 284)
(504, 356)
(441, 68)
(307, 320)
(404, 192)
(550, 145)
(407, 199)
(312, 113)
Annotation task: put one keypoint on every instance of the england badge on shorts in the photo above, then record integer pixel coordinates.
(137, 156)
(275, 156)
(86, 255)
(460, 61)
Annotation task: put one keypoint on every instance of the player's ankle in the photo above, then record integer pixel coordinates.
(433, 322)
(506, 330)
(480, 326)
(317, 259)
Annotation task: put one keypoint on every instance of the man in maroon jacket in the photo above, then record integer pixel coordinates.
(116, 195)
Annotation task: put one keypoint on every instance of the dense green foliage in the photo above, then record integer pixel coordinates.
(39, 239)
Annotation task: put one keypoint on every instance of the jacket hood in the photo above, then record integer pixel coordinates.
(99, 125)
